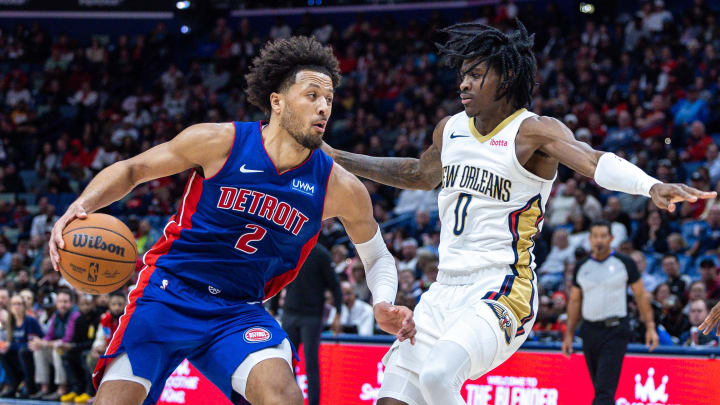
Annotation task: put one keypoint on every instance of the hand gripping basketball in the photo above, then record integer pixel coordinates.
(56, 240)
(97, 254)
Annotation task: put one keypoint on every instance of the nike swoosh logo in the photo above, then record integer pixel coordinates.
(244, 170)
(453, 136)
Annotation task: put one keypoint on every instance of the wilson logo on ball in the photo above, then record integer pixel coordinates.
(255, 335)
(97, 242)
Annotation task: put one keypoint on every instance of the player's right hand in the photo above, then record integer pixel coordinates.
(396, 320)
(56, 240)
(567, 346)
(712, 321)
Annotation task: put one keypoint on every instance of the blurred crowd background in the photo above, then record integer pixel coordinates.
(642, 82)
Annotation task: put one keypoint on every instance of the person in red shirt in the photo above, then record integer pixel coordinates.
(109, 323)
(697, 143)
(708, 275)
(75, 156)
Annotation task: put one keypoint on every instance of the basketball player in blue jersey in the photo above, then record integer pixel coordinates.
(249, 216)
(496, 162)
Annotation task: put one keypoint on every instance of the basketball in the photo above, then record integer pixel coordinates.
(99, 255)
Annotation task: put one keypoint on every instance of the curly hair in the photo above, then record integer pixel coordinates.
(275, 68)
(509, 54)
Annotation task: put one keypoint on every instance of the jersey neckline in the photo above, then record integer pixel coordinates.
(267, 156)
(484, 138)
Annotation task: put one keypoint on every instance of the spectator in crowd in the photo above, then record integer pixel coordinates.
(355, 314)
(677, 281)
(650, 281)
(693, 337)
(109, 322)
(709, 276)
(561, 206)
(552, 270)
(409, 255)
(673, 319)
(48, 350)
(362, 291)
(696, 291)
(587, 205)
(74, 358)
(339, 258)
(15, 356)
(690, 108)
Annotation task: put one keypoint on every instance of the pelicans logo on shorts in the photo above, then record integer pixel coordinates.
(257, 335)
(504, 319)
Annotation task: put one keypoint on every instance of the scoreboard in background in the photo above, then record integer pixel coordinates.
(352, 374)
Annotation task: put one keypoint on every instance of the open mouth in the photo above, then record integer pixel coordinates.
(465, 100)
(320, 125)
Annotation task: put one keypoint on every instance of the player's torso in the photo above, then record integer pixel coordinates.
(490, 206)
(242, 233)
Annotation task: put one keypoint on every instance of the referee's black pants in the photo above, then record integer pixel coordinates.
(306, 329)
(604, 349)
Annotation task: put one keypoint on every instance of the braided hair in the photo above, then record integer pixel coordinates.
(509, 54)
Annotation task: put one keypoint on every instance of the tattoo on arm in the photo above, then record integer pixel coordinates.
(409, 173)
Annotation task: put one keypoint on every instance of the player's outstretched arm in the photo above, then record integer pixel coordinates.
(347, 199)
(423, 174)
(610, 171)
(202, 145)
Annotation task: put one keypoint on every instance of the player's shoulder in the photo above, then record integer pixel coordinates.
(214, 139)
(540, 125)
(346, 195)
(211, 131)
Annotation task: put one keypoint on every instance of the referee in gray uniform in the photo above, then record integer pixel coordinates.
(599, 292)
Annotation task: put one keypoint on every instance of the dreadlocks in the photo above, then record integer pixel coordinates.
(510, 55)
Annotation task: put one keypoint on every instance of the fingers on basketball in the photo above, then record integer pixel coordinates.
(99, 256)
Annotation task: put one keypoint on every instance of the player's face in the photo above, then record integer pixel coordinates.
(600, 239)
(476, 95)
(306, 108)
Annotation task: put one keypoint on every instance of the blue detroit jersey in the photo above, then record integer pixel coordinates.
(244, 233)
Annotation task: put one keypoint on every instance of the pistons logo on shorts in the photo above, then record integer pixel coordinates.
(504, 320)
(257, 335)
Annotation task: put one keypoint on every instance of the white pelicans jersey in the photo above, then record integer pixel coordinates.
(490, 206)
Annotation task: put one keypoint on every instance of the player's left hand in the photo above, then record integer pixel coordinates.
(651, 339)
(712, 321)
(665, 195)
(396, 320)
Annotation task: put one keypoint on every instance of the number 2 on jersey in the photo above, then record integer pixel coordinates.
(460, 216)
(256, 234)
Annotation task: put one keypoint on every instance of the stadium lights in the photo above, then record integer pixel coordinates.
(185, 29)
(587, 8)
(182, 5)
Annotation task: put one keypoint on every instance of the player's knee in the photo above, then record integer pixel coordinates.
(434, 376)
(288, 395)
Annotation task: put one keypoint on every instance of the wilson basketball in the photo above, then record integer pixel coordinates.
(99, 254)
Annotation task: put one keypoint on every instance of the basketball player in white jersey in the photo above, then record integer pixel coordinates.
(496, 162)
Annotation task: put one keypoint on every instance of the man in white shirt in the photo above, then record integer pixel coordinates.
(551, 271)
(355, 312)
(650, 281)
(43, 222)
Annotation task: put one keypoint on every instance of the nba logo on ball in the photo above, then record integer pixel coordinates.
(257, 335)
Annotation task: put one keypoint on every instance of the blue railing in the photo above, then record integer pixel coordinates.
(711, 352)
